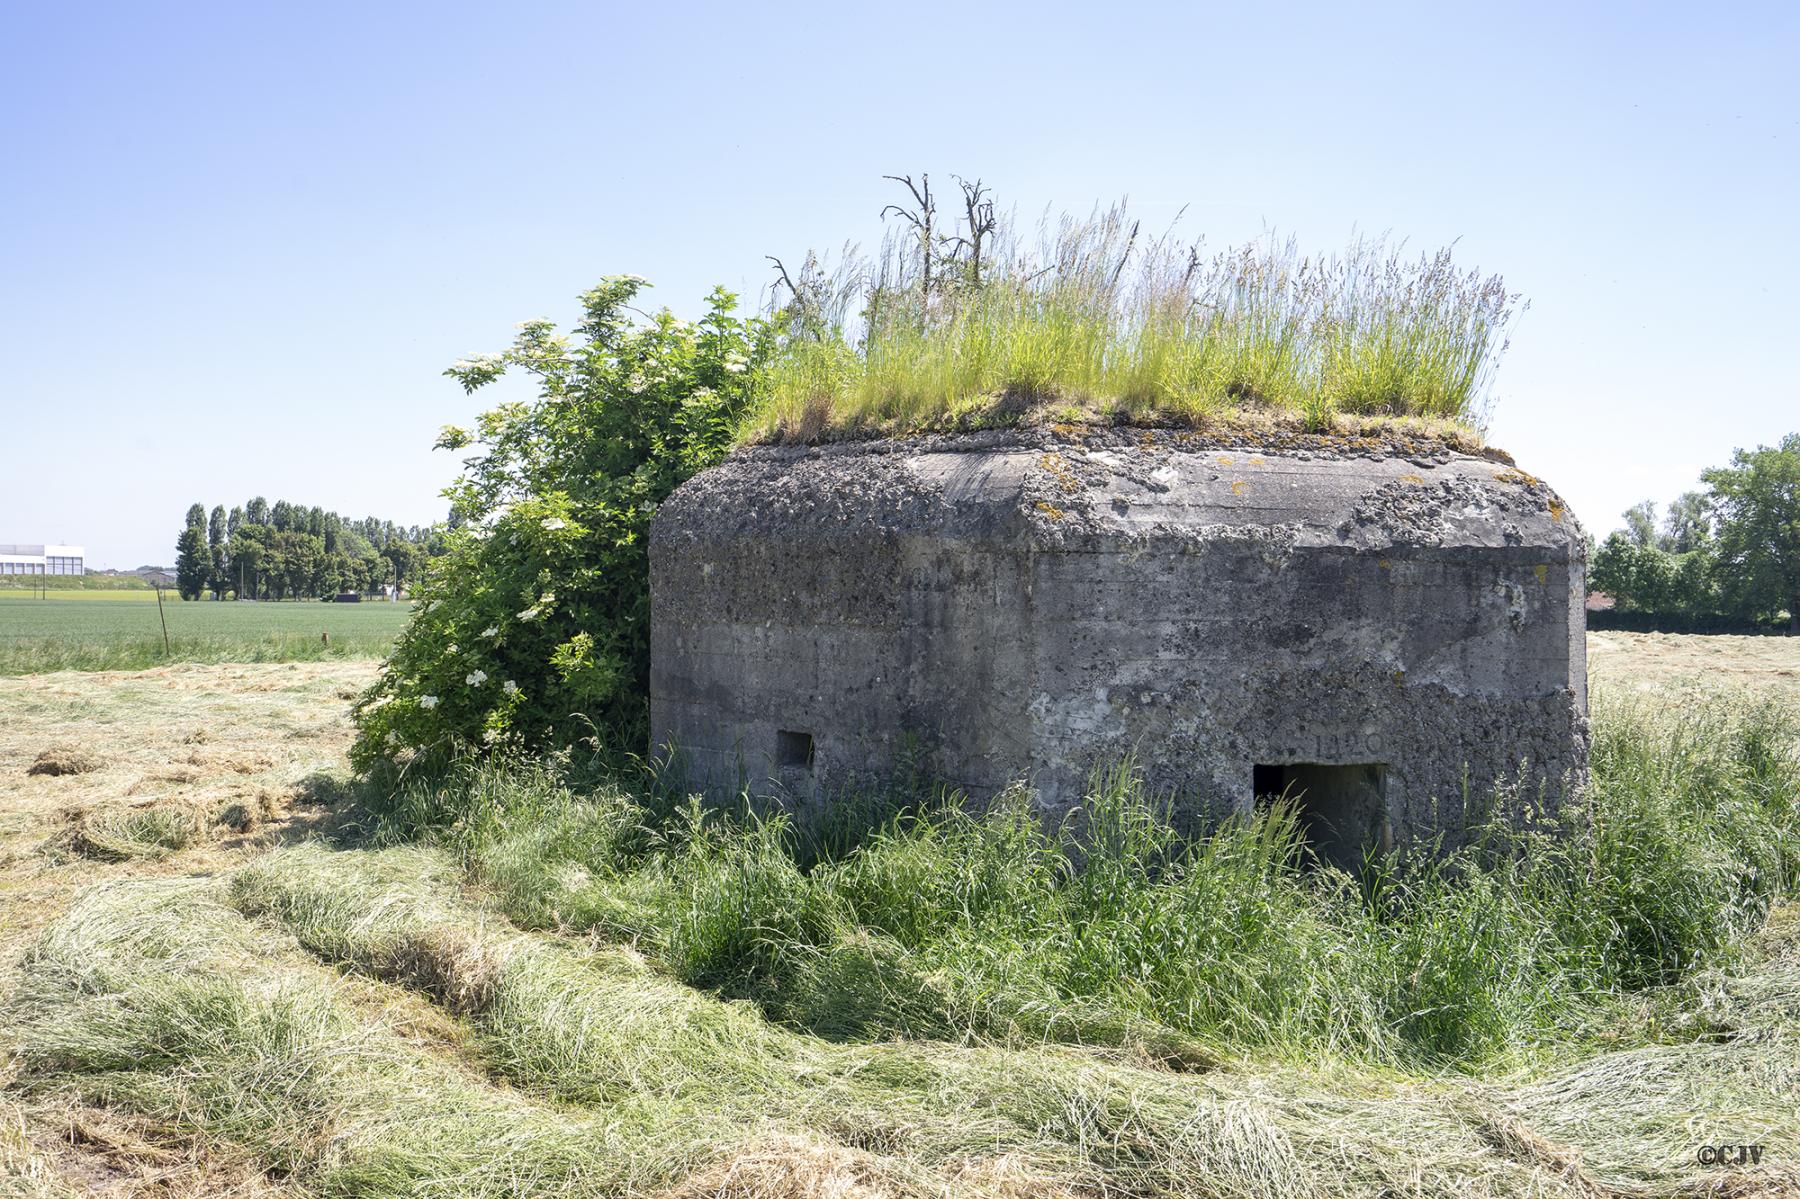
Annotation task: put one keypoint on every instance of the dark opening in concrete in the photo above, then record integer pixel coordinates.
(793, 749)
(1342, 810)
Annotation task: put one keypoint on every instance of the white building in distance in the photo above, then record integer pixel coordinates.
(42, 559)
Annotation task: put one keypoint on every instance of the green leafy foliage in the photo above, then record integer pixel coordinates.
(191, 561)
(1757, 499)
(1645, 578)
(292, 551)
(1731, 552)
(533, 628)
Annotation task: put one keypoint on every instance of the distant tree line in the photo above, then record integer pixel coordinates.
(291, 551)
(1727, 556)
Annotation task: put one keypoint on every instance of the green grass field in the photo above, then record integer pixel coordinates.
(91, 584)
(136, 595)
(105, 633)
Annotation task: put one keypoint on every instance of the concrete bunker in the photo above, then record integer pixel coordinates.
(1386, 630)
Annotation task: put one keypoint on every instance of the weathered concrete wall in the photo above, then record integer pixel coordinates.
(1025, 606)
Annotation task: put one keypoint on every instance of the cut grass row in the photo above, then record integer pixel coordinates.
(603, 1029)
(155, 998)
(596, 1074)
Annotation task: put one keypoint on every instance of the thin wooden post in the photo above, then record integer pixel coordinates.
(167, 652)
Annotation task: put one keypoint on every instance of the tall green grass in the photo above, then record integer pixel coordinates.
(1096, 320)
(950, 922)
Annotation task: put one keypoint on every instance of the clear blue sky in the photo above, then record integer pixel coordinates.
(239, 243)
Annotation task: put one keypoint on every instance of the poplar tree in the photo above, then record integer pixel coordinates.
(219, 567)
(192, 563)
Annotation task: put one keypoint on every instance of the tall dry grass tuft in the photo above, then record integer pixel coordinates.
(1095, 320)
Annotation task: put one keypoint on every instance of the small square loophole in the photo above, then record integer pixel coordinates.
(793, 750)
(1341, 809)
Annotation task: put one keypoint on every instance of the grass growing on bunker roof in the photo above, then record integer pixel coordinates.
(962, 322)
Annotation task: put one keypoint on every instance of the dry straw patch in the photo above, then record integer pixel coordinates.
(1651, 662)
(789, 1167)
(180, 768)
(59, 1150)
(59, 760)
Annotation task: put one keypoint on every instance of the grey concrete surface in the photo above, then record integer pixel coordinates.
(1033, 606)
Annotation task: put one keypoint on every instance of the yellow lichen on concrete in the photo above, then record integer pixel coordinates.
(1058, 468)
(1515, 475)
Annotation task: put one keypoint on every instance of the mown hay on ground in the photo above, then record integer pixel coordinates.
(59, 760)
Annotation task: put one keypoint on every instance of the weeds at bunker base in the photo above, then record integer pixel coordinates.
(1407, 626)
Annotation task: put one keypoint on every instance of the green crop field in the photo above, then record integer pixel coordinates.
(92, 633)
(135, 595)
(95, 585)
